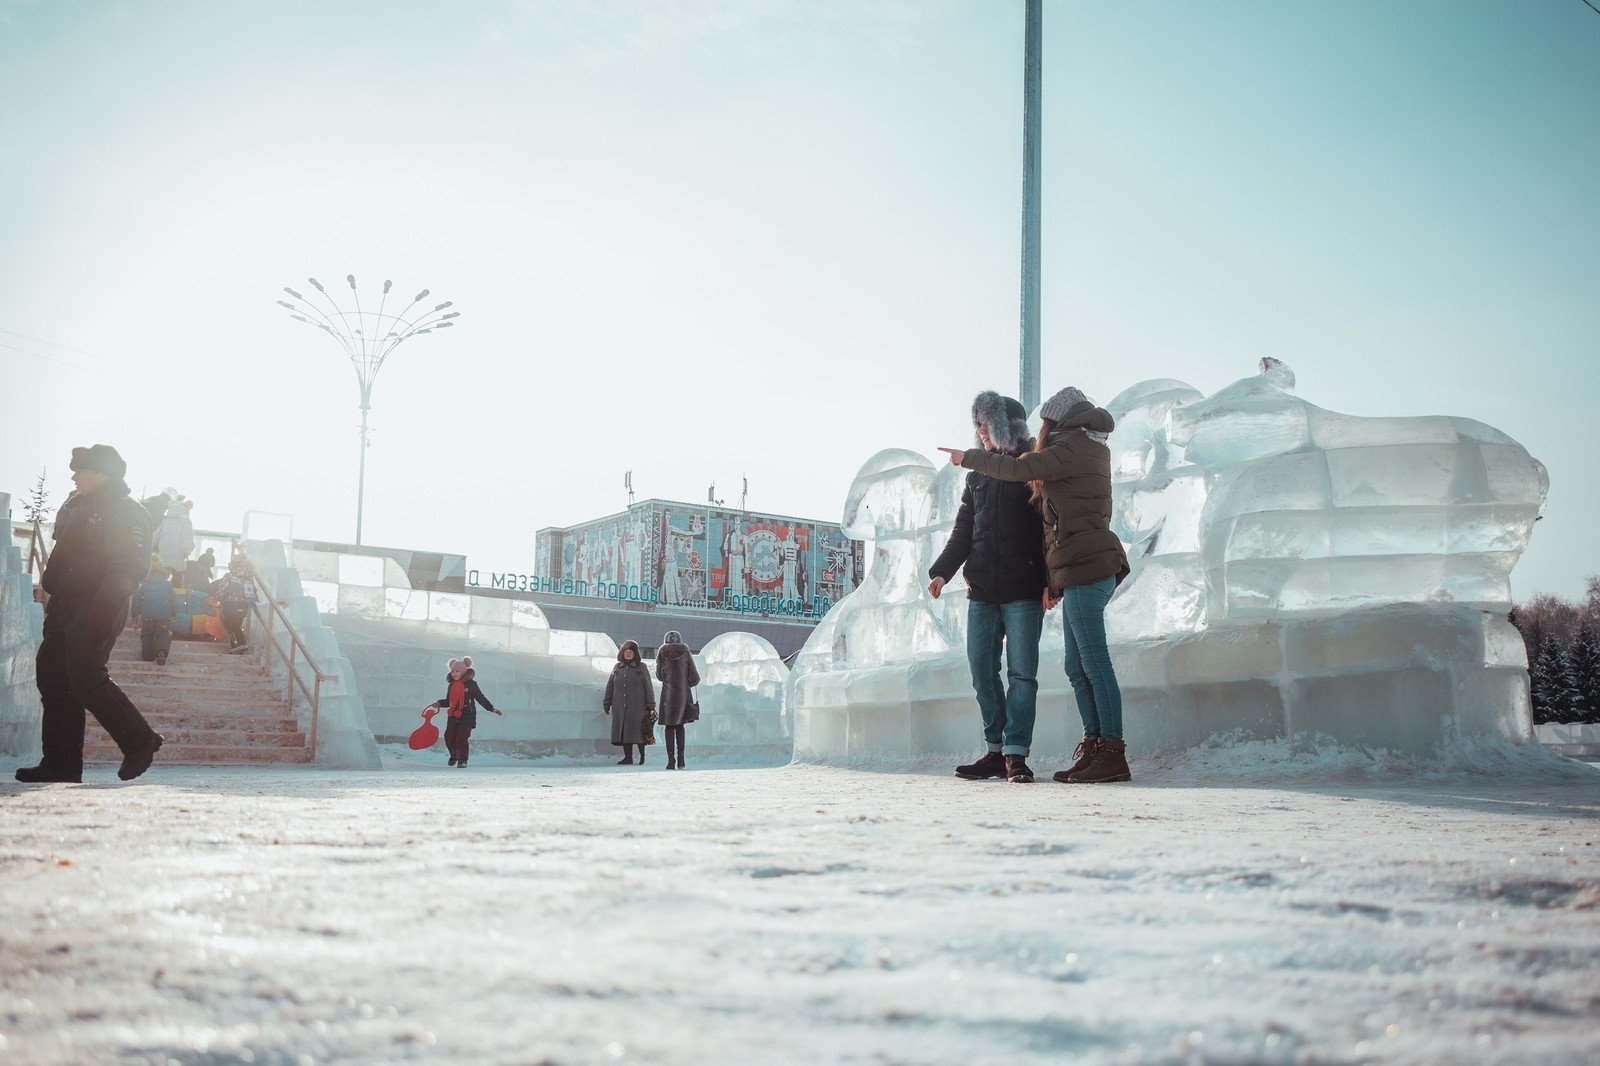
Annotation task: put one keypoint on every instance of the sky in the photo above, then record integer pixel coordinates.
(706, 241)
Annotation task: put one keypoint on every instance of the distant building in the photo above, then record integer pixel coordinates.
(698, 568)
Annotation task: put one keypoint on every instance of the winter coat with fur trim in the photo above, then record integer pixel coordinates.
(1079, 546)
(630, 696)
(676, 671)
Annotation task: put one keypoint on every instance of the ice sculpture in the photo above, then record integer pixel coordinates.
(939, 510)
(875, 675)
(1296, 571)
(741, 691)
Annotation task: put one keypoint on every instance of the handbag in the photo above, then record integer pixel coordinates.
(691, 711)
(649, 729)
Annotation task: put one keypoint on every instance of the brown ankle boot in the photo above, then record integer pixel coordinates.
(1110, 763)
(1080, 758)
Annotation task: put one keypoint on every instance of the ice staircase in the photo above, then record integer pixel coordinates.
(209, 706)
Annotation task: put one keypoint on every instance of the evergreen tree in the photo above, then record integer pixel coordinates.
(1552, 686)
(1586, 674)
(37, 507)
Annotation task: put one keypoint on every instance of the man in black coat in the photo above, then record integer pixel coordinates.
(999, 538)
(101, 553)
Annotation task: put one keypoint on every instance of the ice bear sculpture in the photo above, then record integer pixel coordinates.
(1296, 572)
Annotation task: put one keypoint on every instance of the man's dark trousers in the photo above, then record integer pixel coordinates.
(72, 678)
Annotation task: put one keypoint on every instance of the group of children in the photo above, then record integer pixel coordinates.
(156, 606)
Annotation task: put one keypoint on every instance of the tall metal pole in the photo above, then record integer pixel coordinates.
(361, 480)
(1032, 69)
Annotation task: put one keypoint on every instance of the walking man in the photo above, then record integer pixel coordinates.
(102, 552)
(999, 538)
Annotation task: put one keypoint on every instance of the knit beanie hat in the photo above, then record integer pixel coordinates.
(101, 458)
(672, 637)
(457, 666)
(1069, 401)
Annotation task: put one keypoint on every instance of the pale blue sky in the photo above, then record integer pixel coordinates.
(704, 239)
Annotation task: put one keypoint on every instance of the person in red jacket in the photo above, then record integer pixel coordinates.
(461, 705)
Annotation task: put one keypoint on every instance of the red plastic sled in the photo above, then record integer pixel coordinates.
(427, 734)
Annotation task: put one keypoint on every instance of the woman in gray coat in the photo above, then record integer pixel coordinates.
(630, 698)
(675, 670)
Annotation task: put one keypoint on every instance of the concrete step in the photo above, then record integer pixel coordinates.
(207, 689)
(187, 676)
(162, 702)
(128, 645)
(161, 720)
(172, 753)
(203, 666)
(209, 736)
(209, 706)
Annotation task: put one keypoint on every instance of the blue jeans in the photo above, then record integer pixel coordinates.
(1088, 659)
(1008, 712)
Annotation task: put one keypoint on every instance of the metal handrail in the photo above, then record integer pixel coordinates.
(313, 693)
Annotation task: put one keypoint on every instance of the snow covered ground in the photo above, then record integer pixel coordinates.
(1232, 905)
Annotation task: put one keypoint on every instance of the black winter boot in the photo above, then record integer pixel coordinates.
(42, 774)
(1081, 757)
(138, 760)
(1110, 763)
(992, 764)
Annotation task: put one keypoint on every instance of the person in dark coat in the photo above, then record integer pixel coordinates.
(676, 671)
(1085, 561)
(233, 595)
(460, 704)
(197, 572)
(155, 606)
(101, 553)
(630, 698)
(998, 538)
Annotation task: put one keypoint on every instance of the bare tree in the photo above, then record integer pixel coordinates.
(37, 507)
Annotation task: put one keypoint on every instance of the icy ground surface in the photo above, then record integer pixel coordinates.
(1237, 905)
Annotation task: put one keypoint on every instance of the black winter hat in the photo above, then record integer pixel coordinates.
(101, 458)
(1006, 418)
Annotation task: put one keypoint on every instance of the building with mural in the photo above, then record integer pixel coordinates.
(702, 569)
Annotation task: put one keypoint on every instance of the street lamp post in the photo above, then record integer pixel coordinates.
(1032, 75)
(367, 338)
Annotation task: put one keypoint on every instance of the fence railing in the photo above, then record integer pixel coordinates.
(268, 616)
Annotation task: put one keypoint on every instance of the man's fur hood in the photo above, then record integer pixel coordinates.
(1007, 421)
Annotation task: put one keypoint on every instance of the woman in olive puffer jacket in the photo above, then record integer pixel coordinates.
(1084, 560)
